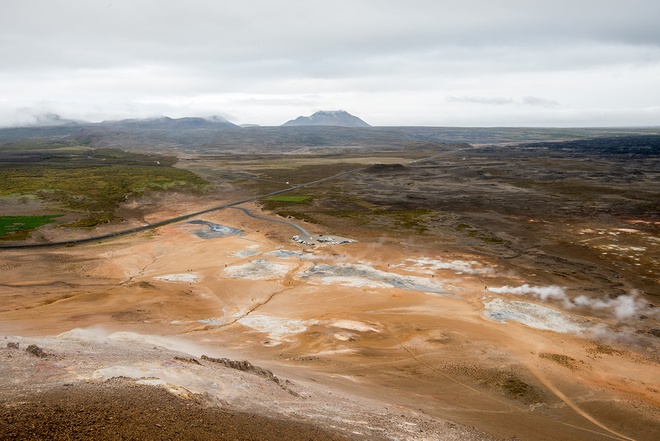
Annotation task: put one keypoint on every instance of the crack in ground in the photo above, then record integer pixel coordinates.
(144, 268)
(258, 305)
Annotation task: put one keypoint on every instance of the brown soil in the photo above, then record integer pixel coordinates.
(367, 360)
(122, 410)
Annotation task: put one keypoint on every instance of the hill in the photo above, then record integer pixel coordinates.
(165, 122)
(328, 118)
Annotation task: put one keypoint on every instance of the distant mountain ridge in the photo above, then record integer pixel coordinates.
(165, 122)
(336, 118)
(339, 118)
(160, 122)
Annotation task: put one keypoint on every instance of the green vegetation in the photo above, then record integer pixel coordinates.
(20, 227)
(329, 201)
(81, 179)
(93, 188)
(286, 205)
(287, 198)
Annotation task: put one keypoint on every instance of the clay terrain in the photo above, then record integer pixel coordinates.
(407, 284)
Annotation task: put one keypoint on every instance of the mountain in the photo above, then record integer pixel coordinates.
(328, 118)
(165, 122)
(53, 119)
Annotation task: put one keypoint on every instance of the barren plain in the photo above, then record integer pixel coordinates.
(501, 290)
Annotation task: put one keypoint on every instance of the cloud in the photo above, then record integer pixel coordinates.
(539, 102)
(623, 307)
(502, 101)
(391, 62)
(497, 101)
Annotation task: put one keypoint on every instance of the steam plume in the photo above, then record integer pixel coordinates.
(623, 307)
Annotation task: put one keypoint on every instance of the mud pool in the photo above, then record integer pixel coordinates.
(210, 230)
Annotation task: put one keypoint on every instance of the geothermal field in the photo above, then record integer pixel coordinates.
(493, 286)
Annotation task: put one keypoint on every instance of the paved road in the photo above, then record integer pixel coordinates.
(178, 218)
(304, 235)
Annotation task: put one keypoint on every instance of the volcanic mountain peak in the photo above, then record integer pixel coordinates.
(328, 118)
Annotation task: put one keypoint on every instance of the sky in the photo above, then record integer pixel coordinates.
(555, 63)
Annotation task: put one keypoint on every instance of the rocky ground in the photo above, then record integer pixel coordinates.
(502, 309)
(84, 385)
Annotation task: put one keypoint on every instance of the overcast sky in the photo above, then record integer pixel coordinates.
(418, 62)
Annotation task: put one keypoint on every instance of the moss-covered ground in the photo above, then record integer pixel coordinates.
(20, 227)
(90, 182)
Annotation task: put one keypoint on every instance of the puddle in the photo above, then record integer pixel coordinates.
(259, 269)
(209, 230)
(532, 315)
(366, 276)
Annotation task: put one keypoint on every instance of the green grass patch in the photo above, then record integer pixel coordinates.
(20, 227)
(287, 198)
(284, 202)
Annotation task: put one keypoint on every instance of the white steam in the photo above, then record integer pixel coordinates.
(623, 307)
(543, 293)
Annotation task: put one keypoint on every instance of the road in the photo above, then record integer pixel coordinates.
(181, 218)
(304, 235)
